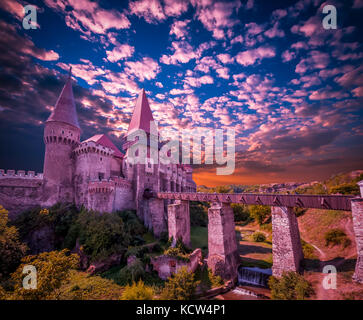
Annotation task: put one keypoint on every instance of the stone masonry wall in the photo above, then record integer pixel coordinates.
(179, 221)
(286, 244)
(166, 266)
(357, 213)
(223, 256)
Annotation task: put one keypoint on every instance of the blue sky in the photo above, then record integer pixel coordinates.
(291, 89)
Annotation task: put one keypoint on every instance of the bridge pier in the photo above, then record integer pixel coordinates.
(286, 245)
(223, 256)
(155, 208)
(357, 214)
(179, 221)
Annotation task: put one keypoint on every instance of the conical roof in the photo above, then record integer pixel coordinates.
(105, 141)
(65, 107)
(142, 115)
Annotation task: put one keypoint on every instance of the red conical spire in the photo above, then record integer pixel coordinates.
(142, 115)
(65, 107)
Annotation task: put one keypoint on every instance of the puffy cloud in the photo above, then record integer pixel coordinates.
(274, 32)
(183, 53)
(179, 29)
(24, 45)
(146, 68)
(88, 17)
(13, 7)
(216, 16)
(327, 93)
(197, 82)
(252, 56)
(153, 11)
(225, 58)
(316, 60)
(120, 52)
(288, 55)
(87, 71)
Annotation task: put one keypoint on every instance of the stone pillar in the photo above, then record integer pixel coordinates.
(357, 214)
(156, 211)
(179, 221)
(223, 256)
(286, 245)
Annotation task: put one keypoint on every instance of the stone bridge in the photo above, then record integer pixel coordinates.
(223, 256)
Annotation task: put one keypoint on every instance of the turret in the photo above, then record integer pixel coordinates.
(145, 175)
(61, 136)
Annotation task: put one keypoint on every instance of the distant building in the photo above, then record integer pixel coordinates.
(92, 173)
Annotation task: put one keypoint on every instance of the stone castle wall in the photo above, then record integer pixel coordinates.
(20, 190)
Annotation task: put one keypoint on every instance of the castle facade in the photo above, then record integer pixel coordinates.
(94, 173)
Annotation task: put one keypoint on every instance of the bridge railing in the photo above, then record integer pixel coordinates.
(332, 202)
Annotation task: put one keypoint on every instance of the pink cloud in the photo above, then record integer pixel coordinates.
(183, 53)
(225, 58)
(197, 82)
(120, 52)
(252, 56)
(179, 29)
(14, 7)
(86, 71)
(288, 55)
(274, 32)
(215, 16)
(327, 93)
(147, 68)
(88, 17)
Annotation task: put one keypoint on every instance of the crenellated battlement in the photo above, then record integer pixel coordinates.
(60, 139)
(92, 147)
(103, 186)
(20, 174)
(122, 182)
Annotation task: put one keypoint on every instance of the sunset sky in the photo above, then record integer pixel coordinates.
(291, 89)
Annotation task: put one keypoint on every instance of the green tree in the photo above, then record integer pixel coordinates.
(180, 286)
(138, 291)
(51, 267)
(258, 237)
(291, 286)
(240, 212)
(11, 248)
(260, 213)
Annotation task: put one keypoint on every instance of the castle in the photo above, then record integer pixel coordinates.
(94, 173)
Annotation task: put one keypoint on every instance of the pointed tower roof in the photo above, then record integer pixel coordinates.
(65, 107)
(105, 141)
(142, 115)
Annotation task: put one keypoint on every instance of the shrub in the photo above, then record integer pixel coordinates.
(52, 268)
(291, 286)
(258, 237)
(216, 281)
(131, 273)
(138, 291)
(82, 286)
(336, 237)
(181, 286)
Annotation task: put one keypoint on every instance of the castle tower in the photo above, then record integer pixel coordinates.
(61, 136)
(144, 176)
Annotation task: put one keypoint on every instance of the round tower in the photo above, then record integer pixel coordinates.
(61, 136)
